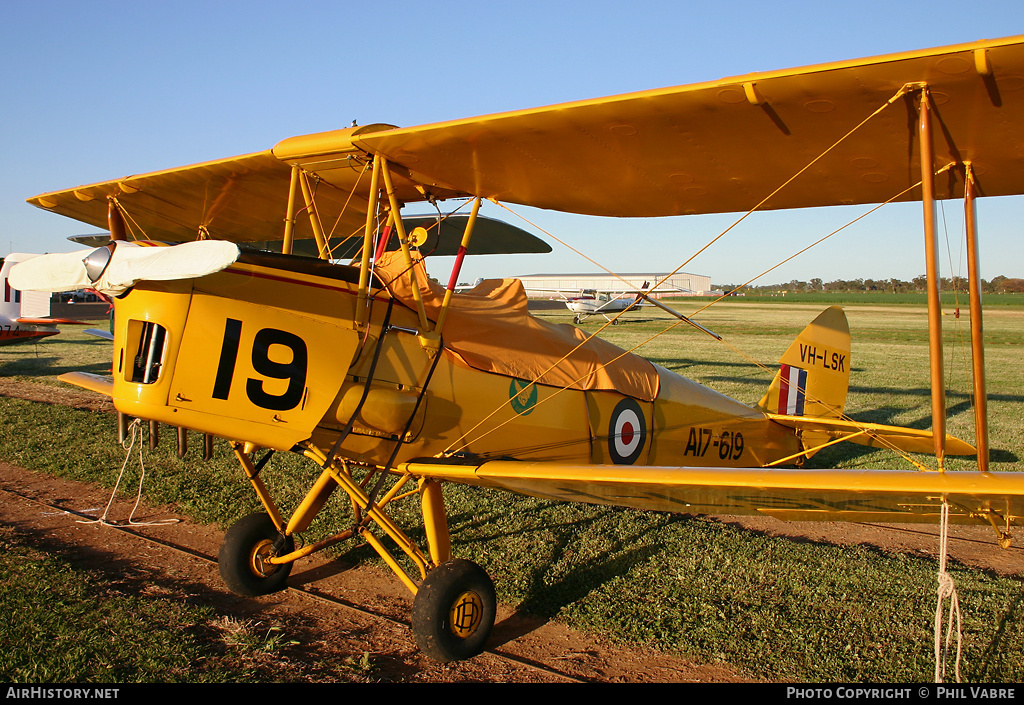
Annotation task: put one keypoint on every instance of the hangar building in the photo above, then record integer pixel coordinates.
(679, 284)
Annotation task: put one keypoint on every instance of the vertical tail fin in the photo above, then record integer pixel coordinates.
(815, 371)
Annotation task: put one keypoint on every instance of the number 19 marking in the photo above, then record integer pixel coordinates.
(294, 371)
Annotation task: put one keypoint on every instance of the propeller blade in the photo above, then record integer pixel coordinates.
(128, 263)
(58, 271)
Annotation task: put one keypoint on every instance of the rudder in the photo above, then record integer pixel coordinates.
(814, 374)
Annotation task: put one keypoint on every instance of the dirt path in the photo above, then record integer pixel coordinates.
(324, 631)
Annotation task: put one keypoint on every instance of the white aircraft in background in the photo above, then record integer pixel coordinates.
(591, 302)
(585, 303)
(25, 316)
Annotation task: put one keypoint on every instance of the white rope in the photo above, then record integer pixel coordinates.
(946, 590)
(134, 435)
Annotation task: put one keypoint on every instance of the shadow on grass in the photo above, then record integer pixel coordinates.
(580, 569)
(993, 659)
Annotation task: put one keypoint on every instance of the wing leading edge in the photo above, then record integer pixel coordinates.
(795, 495)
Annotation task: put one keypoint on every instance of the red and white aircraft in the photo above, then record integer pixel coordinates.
(24, 316)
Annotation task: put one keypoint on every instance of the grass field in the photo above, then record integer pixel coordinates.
(771, 607)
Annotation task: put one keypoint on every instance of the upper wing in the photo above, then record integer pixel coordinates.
(720, 146)
(725, 145)
(228, 197)
(797, 495)
(240, 199)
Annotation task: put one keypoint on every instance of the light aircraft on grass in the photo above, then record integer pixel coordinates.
(25, 315)
(585, 303)
(391, 384)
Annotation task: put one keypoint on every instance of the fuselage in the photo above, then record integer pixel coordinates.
(269, 352)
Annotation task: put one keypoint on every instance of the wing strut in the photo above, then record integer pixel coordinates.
(934, 296)
(314, 218)
(363, 312)
(932, 262)
(289, 218)
(429, 339)
(457, 267)
(115, 220)
(977, 348)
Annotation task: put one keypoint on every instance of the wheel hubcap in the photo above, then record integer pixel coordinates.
(257, 559)
(465, 615)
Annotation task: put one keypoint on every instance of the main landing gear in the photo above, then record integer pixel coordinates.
(579, 317)
(243, 556)
(454, 603)
(453, 612)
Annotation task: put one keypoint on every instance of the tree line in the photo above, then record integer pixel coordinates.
(998, 285)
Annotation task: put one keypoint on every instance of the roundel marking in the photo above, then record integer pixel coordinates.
(627, 432)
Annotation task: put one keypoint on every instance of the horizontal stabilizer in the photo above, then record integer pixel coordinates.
(50, 321)
(876, 435)
(105, 334)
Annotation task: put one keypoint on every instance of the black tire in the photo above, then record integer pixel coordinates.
(245, 543)
(453, 612)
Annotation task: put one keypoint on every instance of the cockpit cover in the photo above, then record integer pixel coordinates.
(490, 329)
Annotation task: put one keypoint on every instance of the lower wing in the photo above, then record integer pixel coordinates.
(796, 495)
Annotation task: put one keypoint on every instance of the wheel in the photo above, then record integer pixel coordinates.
(246, 544)
(453, 612)
(577, 319)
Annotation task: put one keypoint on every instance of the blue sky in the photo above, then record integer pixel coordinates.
(93, 91)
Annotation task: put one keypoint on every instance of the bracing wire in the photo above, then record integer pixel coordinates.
(766, 368)
(466, 443)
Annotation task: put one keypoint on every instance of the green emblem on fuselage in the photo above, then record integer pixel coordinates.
(523, 396)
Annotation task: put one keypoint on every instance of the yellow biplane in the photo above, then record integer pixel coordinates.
(391, 384)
